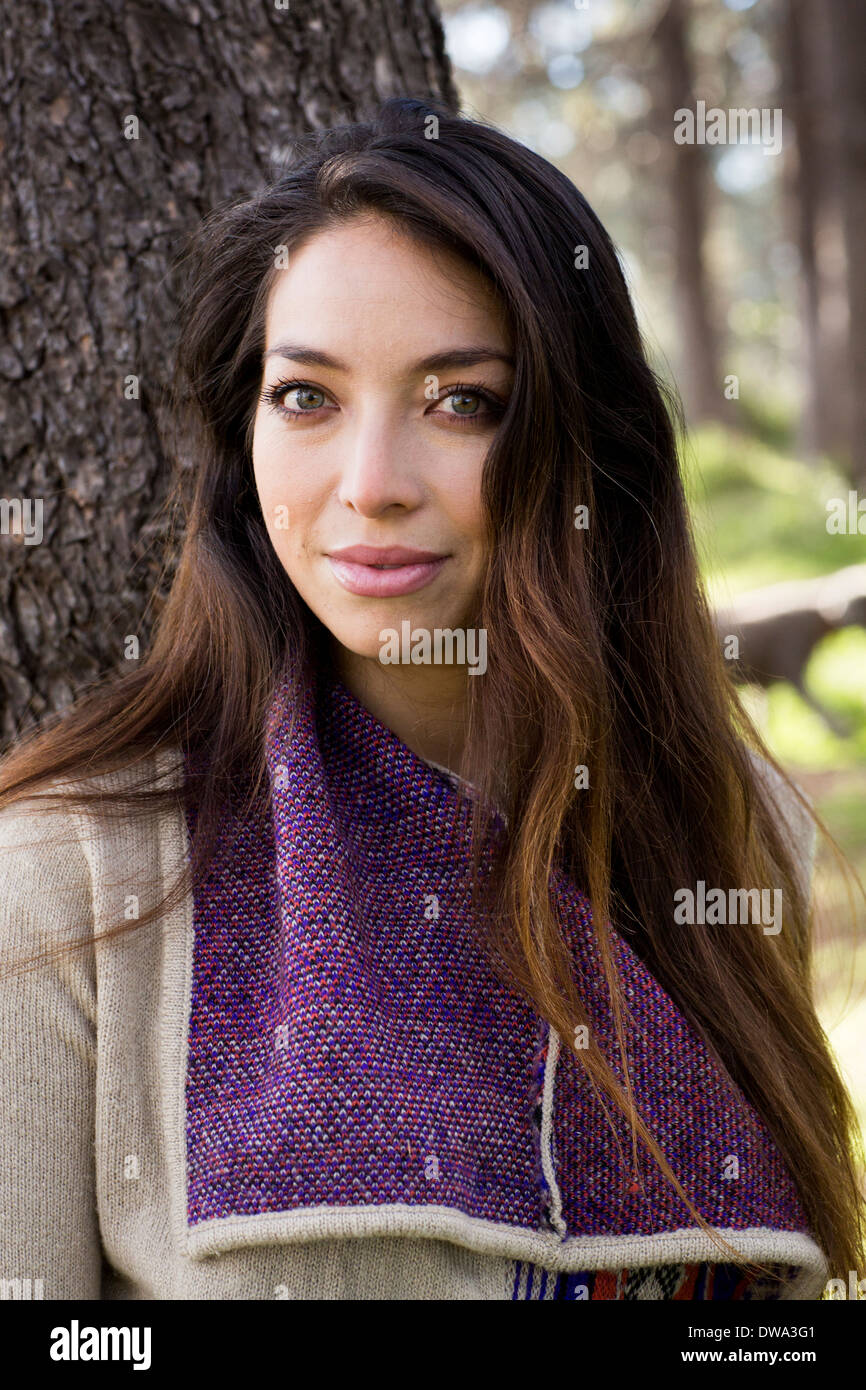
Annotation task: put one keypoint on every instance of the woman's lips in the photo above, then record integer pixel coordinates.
(370, 582)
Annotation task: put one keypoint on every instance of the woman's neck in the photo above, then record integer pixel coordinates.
(425, 706)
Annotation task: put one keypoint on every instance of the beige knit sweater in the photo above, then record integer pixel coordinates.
(92, 1112)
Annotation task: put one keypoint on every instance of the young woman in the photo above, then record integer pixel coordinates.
(422, 917)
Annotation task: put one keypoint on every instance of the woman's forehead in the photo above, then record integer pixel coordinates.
(366, 279)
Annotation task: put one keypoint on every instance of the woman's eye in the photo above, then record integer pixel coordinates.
(304, 398)
(469, 405)
(295, 398)
(465, 402)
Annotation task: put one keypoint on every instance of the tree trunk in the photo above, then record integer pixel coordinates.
(813, 194)
(848, 51)
(92, 219)
(701, 376)
(803, 195)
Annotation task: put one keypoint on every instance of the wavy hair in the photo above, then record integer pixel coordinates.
(602, 649)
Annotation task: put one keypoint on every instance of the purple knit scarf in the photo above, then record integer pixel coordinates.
(350, 1046)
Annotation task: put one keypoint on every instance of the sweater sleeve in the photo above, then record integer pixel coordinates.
(49, 1228)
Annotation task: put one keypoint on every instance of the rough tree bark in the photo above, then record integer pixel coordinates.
(91, 220)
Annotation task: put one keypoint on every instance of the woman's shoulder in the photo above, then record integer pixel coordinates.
(52, 840)
(56, 803)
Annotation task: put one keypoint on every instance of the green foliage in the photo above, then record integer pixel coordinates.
(759, 515)
(768, 419)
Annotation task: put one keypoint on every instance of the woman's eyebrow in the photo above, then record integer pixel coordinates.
(460, 357)
(437, 361)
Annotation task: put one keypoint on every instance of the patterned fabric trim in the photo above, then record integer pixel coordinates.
(691, 1282)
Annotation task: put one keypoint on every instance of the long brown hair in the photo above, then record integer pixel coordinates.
(602, 650)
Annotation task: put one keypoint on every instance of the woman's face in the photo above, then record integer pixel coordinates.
(369, 340)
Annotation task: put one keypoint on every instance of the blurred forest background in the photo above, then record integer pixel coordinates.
(748, 271)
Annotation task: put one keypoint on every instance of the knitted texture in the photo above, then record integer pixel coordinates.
(350, 1045)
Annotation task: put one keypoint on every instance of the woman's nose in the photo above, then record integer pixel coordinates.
(377, 469)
